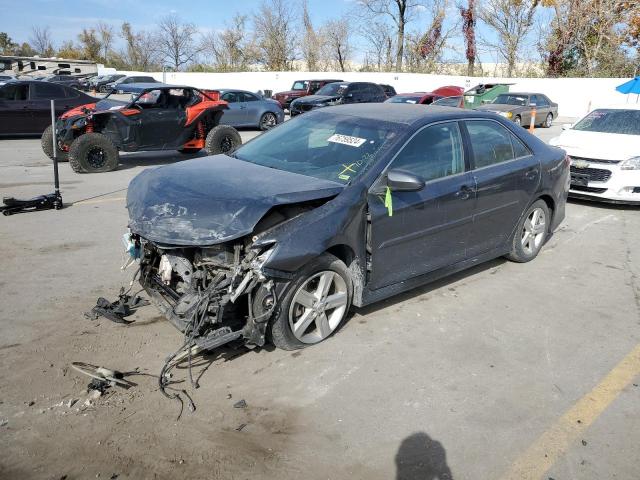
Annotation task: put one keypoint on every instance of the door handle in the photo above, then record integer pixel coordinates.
(464, 193)
(531, 174)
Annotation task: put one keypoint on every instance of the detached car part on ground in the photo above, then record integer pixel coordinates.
(337, 208)
(158, 117)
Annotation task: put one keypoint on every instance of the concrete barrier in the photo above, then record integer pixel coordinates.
(573, 95)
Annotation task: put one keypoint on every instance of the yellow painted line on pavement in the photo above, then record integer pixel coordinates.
(553, 443)
(102, 200)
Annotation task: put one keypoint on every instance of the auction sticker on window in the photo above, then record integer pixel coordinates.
(346, 140)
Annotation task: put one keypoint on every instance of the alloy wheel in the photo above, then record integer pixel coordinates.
(548, 121)
(268, 121)
(318, 306)
(533, 231)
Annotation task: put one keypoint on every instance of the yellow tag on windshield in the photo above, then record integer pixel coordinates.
(388, 202)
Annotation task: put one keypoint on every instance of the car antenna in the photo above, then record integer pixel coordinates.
(50, 201)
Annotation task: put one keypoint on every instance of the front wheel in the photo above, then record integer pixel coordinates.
(47, 145)
(93, 153)
(268, 121)
(531, 233)
(518, 120)
(314, 304)
(222, 139)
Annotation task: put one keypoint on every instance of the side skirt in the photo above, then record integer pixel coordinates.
(371, 296)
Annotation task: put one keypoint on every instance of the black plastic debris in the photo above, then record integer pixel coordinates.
(240, 427)
(117, 311)
(240, 404)
(98, 385)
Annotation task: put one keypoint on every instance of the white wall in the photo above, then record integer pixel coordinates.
(573, 95)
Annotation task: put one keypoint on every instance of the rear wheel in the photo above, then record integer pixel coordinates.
(47, 145)
(517, 120)
(531, 233)
(314, 305)
(222, 139)
(93, 153)
(268, 121)
(548, 121)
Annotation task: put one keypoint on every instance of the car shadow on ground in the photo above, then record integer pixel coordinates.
(420, 457)
(155, 159)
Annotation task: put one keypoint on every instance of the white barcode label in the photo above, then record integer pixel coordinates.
(346, 140)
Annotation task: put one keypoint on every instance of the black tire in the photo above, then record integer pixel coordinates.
(189, 151)
(93, 153)
(522, 252)
(222, 139)
(47, 146)
(281, 331)
(548, 121)
(268, 121)
(518, 120)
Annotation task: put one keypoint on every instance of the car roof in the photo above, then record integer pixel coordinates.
(406, 113)
(141, 87)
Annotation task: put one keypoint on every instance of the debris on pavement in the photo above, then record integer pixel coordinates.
(240, 404)
(240, 427)
(116, 311)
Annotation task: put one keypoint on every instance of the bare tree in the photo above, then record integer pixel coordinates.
(41, 40)
(511, 20)
(276, 36)
(91, 46)
(468, 15)
(311, 42)
(140, 50)
(231, 49)
(337, 37)
(381, 46)
(105, 32)
(401, 12)
(176, 41)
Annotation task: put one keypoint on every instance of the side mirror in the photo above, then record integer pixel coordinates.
(403, 181)
(567, 126)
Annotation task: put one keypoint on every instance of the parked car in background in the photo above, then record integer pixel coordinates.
(449, 91)
(300, 88)
(420, 98)
(456, 101)
(339, 93)
(67, 80)
(389, 91)
(85, 82)
(604, 149)
(519, 107)
(25, 106)
(114, 85)
(247, 109)
(100, 81)
(293, 223)
(4, 78)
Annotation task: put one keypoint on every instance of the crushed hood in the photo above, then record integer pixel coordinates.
(214, 199)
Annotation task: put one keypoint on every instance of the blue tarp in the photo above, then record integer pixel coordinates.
(632, 86)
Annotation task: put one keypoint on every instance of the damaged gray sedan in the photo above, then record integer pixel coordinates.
(343, 206)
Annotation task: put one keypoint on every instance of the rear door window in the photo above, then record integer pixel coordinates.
(47, 90)
(249, 97)
(490, 141)
(14, 92)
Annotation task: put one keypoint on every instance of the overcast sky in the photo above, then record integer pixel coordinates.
(66, 18)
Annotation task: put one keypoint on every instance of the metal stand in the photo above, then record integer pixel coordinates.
(51, 201)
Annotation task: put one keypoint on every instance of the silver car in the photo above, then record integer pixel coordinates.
(247, 109)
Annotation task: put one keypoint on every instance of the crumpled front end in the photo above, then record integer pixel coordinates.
(214, 294)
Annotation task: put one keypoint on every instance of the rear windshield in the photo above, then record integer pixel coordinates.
(404, 99)
(609, 120)
(505, 99)
(333, 89)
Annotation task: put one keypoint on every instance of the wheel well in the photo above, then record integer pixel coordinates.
(550, 204)
(343, 252)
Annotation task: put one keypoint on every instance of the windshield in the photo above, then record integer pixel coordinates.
(505, 99)
(331, 89)
(404, 99)
(609, 120)
(326, 146)
(299, 85)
